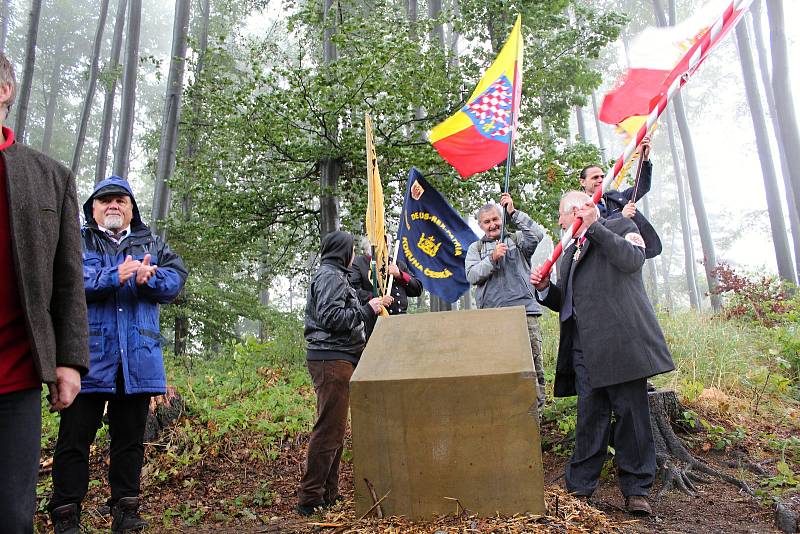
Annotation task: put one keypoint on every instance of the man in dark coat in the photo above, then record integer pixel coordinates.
(127, 274)
(614, 204)
(405, 285)
(335, 335)
(606, 352)
(42, 308)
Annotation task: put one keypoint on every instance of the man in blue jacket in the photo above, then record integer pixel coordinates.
(127, 274)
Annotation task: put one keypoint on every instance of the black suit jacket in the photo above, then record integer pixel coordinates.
(615, 200)
(620, 336)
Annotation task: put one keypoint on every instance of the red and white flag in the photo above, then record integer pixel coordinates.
(659, 55)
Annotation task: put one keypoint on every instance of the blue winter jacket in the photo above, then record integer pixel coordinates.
(124, 320)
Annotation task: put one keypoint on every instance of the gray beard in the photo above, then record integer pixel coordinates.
(113, 222)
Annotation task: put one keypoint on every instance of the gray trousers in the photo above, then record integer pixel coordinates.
(21, 428)
(535, 335)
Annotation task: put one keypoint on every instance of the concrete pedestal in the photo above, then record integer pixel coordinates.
(444, 405)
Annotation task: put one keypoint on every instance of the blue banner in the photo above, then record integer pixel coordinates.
(434, 239)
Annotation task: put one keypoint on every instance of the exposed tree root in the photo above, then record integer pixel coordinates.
(678, 468)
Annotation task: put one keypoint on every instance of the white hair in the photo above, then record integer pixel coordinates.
(573, 200)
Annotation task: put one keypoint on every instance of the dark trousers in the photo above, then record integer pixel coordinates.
(320, 481)
(635, 454)
(127, 415)
(21, 430)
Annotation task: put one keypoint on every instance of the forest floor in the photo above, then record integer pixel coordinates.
(232, 461)
(230, 489)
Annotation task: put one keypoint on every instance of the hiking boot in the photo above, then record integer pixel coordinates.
(66, 519)
(638, 505)
(125, 515)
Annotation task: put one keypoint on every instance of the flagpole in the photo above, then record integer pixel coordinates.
(506, 184)
(694, 61)
(509, 156)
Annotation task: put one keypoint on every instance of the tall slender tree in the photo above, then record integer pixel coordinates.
(600, 140)
(110, 88)
(127, 110)
(330, 166)
(774, 209)
(686, 226)
(782, 89)
(24, 93)
(766, 84)
(94, 69)
(5, 12)
(581, 123)
(181, 319)
(172, 113)
(52, 94)
(693, 172)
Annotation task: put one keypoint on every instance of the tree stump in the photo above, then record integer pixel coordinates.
(164, 411)
(677, 467)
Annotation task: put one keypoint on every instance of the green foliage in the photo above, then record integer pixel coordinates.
(264, 115)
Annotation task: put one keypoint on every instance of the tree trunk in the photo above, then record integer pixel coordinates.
(774, 209)
(111, 87)
(670, 303)
(709, 255)
(453, 63)
(600, 141)
(781, 87)
(93, 73)
(122, 152)
(329, 166)
(329, 200)
(24, 93)
(412, 12)
(438, 305)
(793, 209)
(581, 124)
(52, 96)
(686, 225)
(437, 31)
(6, 14)
(181, 320)
(650, 265)
(172, 113)
(191, 145)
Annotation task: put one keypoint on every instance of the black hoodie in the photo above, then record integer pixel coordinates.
(334, 319)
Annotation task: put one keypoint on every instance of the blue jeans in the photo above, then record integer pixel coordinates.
(21, 430)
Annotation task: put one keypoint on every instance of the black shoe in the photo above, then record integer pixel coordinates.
(125, 514)
(66, 519)
(307, 510)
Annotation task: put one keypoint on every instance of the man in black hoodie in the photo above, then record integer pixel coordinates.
(335, 324)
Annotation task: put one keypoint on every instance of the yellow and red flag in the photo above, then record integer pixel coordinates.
(477, 137)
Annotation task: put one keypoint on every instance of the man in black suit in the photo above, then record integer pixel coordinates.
(610, 343)
(614, 204)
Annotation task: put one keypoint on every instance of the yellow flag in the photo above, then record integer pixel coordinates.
(375, 222)
(628, 129)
